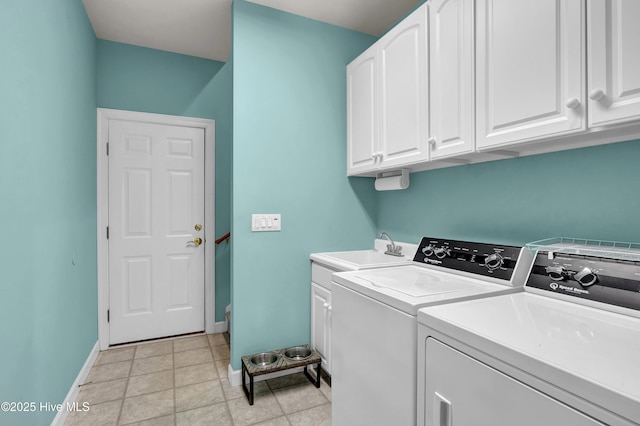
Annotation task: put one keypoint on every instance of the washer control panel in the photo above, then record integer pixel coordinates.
(600, 279)
(489, 260)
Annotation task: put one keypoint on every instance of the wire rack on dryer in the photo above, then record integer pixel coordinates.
(618, 250)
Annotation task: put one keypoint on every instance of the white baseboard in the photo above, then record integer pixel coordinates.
(220, 327)
(235, 376)
(72, 395)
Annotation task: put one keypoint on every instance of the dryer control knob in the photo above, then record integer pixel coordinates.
(441, 252)
(586, 277)
(494, 261)
(428, 250)
(556, 273)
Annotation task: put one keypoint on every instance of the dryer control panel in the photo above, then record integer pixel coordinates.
(490, 260)
(603, 279)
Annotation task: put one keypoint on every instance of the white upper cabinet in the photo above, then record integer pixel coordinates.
(402, 56)
(451, 74)
(614, 61)
(362, 113)
(530, 70)
(387, 100)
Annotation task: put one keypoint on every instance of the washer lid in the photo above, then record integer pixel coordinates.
(416, 283)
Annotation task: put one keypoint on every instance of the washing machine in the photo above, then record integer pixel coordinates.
(565, 351)
(374, 324)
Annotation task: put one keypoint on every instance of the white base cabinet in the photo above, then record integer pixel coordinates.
(321, 324)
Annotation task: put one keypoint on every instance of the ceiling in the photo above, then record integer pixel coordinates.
(203, 27)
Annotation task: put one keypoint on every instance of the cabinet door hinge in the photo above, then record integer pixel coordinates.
(107, 148)
(108, 315)
(107, 232)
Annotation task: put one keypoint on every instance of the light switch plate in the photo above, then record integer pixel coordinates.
(266, 222)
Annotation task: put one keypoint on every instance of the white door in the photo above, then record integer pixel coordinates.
(451, 73)
(530, 70)
(614, 61)
(362, 113)
(402, 56)
(156, 213)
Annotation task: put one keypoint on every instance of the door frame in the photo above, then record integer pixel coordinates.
(103, 117)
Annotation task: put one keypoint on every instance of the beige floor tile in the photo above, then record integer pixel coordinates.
(265, 407)
(217, 339)
(217, 414)
(147, 406)
(220, 351)
(317, 416)
(169, 420)
(154, 349)
(233, 392)
(223, 368)
(99, 414)
(299, 397)
(288, 380)
(115, 355)
(152, 364)
(97, 393)
(326, 390)
(193, 357)
(196, 374)
(280, 421)
(149, 383)
(107, 372)
(198, 395)
(190, 343)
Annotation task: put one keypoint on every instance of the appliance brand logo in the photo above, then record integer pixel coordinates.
(553, 286)
(432, 261)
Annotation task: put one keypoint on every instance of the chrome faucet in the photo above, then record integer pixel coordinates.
(392, 249)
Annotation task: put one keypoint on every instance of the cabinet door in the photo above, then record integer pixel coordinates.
(402, 56)
(320, 324)
(451, 74)
(614, 61)
(530, 70)
(362, 113)
(462, 391)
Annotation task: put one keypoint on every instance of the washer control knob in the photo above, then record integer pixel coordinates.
(586, 277)
(441, 252)
(428, 250)
(556, 273)
(494, 261)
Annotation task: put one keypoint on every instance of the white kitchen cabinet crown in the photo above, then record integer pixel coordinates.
(614, 61)
(387, 100)
(451, 78)
(530, 70)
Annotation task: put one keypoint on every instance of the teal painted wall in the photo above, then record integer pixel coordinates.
(583, 193)
(48, 278)
(289, 157)
(140, 79)
(222, 89)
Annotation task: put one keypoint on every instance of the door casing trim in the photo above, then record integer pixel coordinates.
(103, 117)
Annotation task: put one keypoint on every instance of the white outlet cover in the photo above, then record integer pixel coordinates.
(266, 222)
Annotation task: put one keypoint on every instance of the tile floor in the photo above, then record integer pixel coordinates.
(184, 382)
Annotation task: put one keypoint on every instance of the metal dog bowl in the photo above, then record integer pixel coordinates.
(297, 353)
(264, 359)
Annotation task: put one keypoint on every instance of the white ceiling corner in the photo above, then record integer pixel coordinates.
(202, 28)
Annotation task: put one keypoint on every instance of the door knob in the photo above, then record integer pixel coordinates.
(198, 227)
(196, 241)
(573, 103)
(596, 94)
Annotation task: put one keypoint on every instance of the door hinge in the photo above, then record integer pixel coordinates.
(107, 148)
(107, 232)
(108, 316)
